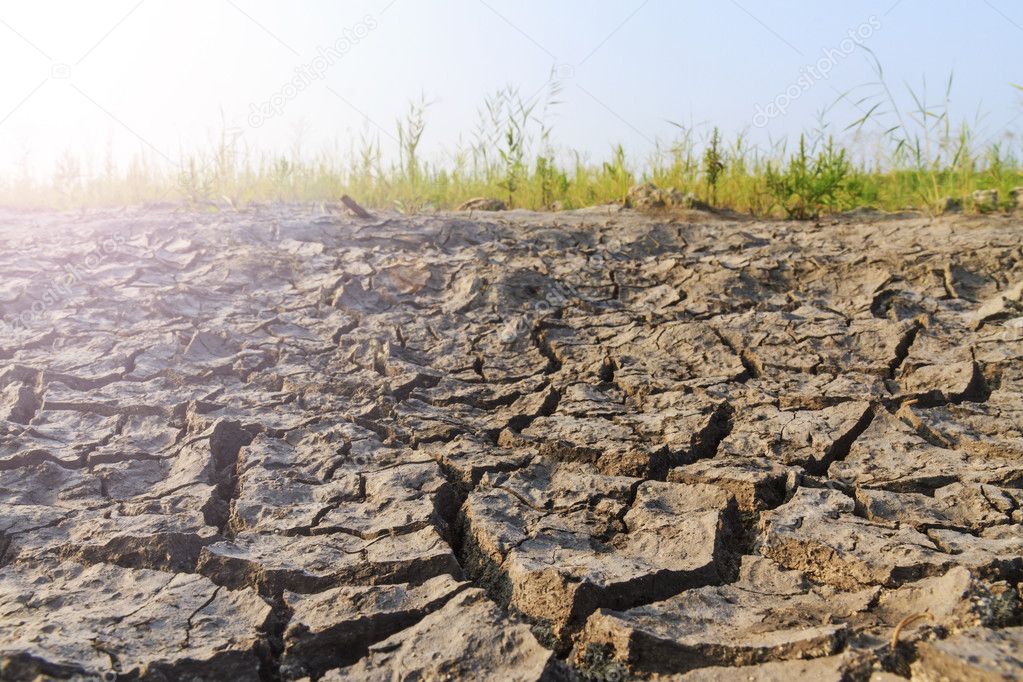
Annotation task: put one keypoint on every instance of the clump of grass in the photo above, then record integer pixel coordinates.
(552, 181)
(932, 155)
(410, 135)
(513, 149)
(713, 165)
(411, 171)
(810, 184)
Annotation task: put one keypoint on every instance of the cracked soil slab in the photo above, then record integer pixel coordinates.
(278, 444)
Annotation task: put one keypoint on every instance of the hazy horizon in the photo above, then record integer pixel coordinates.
(167, 78)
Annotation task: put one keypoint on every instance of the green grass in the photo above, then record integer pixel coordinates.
(924, 156)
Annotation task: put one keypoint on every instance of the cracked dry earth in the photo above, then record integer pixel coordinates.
(592, 445)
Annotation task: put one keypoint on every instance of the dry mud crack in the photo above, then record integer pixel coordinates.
(274, 445)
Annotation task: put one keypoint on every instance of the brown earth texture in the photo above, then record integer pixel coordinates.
(279, 444)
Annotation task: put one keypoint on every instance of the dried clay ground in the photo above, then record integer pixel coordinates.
(277, 444)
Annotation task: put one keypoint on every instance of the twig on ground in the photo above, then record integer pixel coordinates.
(353, 206)
(908, 620)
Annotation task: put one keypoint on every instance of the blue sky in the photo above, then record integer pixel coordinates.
(167, 76)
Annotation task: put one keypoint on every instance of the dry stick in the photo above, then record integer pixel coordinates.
(911, 618)
(354, 207)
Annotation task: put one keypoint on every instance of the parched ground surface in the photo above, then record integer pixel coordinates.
(276, 444)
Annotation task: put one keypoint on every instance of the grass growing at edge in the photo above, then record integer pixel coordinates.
(513, 156)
